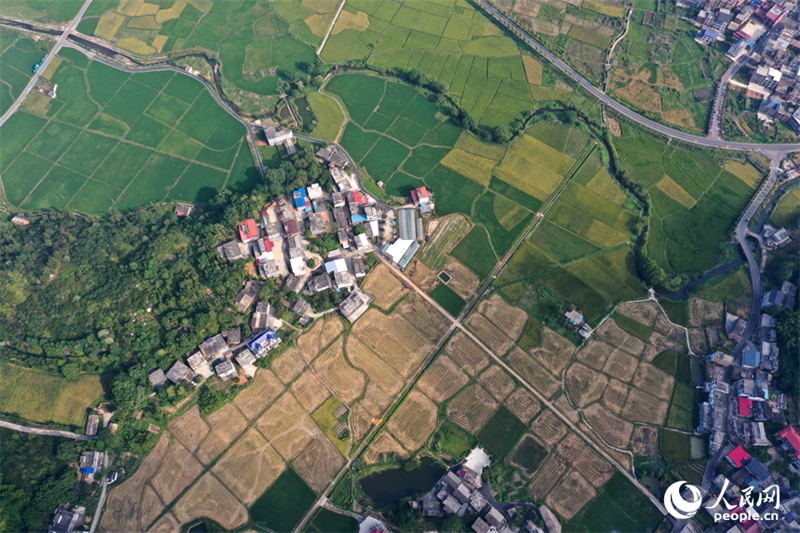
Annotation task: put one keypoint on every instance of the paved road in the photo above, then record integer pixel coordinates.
(48, 432)
(330, 28)
(620, 108)
(715, 126)
(31, 84)
(98, 512)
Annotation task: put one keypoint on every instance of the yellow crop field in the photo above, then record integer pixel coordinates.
(533, 372)
(349, 21)
(507, 317)
(467, 142)
(533, 70)
(109, 25)
(159, 42)
(173, 12)
(495, 380)
(467, 353)
(603, 184)
(584, 385)
(613, 429)
(414, 421)
(676, 192)
(310, 391)
(394, 339)
(489, 334)
(287, 426)
(209, 498)
(226, 424)
(424, 316)
(288, 365)
(384, 444)
(533, 167)
(384, 286)
(615, 395)
(745, 172)
(318, 463)
(570, 494)
(587, 461)
(136, 46)
(474, 167)
(604, 9)
(523, 404)
(249, 467)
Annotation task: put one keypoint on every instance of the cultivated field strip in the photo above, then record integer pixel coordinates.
(613, 429)
(190, 428)
(490, 334)
(615, 395)
(394, 339)
(466, 353)
(152, 506)
(645, 312)
(310, 391)
(612, 334)
(226, 424)
(424, 316)
(547, 475)
(379, 372)
(595, 354)
(570, 494)
(318, 463)
(384, 286)
(533, 372)
(508, 318)
(548, 428)
(376, 400)
(209, 498)
(584, 385)
(309, 342)
(414, 421)
(495, 380)
(654, 381)
(643, 407)
(249, 467)
(442, 379)
(166, 524)
(383, 444)
(523, 404)
(287, 426)
(620, 365)
(472, 408)
(178, 469)
(333, 368)
(288, 365)
(260, 393)
(556, 351)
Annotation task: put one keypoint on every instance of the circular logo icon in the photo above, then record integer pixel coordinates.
(677, 506)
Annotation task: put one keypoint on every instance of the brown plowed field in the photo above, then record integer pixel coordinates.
(309, 342)
(288, 365)
(645, 441)
(549, 428)
(249, 467)
(547, 475)
(386, 288)
(663, 326)
(151, 506)
(226, 424)
(523, 404)
(414, 421)
(570, 494)
(287, 426)
(675, 342)
(614, 430)
(467, 353)
(422, 276)
(643, 407)
(508, 318)
(360, 422)
(644, 312)
(706, 313)
(555, 353)
(655, 381)
(394, 339)
(621, 365)
(533, 372)
(178, 469)
(615, 395)
(698, 341)
(378, 370)
(442, 379)
(463, 281)
(318, 463)
(376, 400)
(612, 334)
(584, 384)
(264, 388)
(190, 428)
(594, 354)
(334, 369)
(310, 391)
(167, 524)
(495, 380)
(472, 408)
(383, 444)
(208, 498)
(333, 327)
(489, 334)
(424, 316)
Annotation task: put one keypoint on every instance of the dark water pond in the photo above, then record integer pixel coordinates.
(391, 486)
(199, 528)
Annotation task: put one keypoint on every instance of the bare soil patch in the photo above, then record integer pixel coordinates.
(249, 467)
(676, 342)
(190, 428)
(414, 421)
(584, 384)
(679, 117)
(264, 388)
(495, 380)
(442, 379)
(614, 430)
(319, 462)
(489, 334)
(381, 449)
(570, 494)
(209, 498)
(595, 353)
(643, 407)
(384, 286)
(533, 372)
(467, 353)
(621, 365)
(655, 381)
(310, 391)
(549, 428)
(698, 342)
(523, 404)
(645, 441)
(472, 408)
(615, 395)
(706, 313)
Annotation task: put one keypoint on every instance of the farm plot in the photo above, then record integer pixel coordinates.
(414, 421)
(645, 441)
(570, 494)
(645, 312)
(443, 237)
(615, 395)
(260, 393)
(472, 408)
(332, 417)
(384, 446)
(467, 353)
(549, 428)
(462, 280)
(621, 365)
(424, 316)
(287, 427)
(523, 404)
(226, 424)
(208, 498)
(508, 318)
(190, 428)
(309, 342)
(376, 400)
(556, 351)
(613, 429)
(489, 334)
(533, 372)
(288, 365)
(310, 391)
(705, 313)
(249, 467)
(384, 286)
(529, 156)
(547, 475)
(152, 506)
(394, 339)
(501, 432)
(654, 381)
(643, 407)
(166, 524)
(178, 469)
(497, 382)
(333, 368)
(442, 379)
(529, 454)
(584, 385)
(612, 334)
(380, 373)
(318, 463)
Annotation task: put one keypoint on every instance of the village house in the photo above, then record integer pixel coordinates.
(342, 280)
(21, 219)
(275, 136)
(233, 251)
(359, 267)
(157, 378)
(293, 283)
(225, 370)
(263, 343)
(355, 305)
(362, 243)
(338, 199)
(247, 295)
(344, 238)
(92, 463)
(302, 308)
(264, 318)
(789, 441)
(248, 231)
(331, 156)
(720, 358)
(270, 224)
(92, 422)
(473, 466)
(199, 364)
(422, 199)
(67, 519)
(247, 360)
(214, 348)
(232, 336)
(319, 283)
(317, 223)
(178, 372)
(340, 218)
(267, 268)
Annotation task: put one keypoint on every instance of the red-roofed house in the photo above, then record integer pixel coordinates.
(791, 440)
(739, 456)
(420, 196)
(745, 406)
(247, 230)
(360, 198)
(268, 245)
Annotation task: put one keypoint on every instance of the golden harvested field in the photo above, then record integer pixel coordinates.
(523, 404)
(287, 427)
(643, 407)
(422, 276)
(379, 372)
(594, 354)
(167, 524)
(226, 424)
(249, 467)
(310, 391)
(394, 339)
(706, 313)
(621, 365)
(123, 504)
(547, 475)
(669, 187)
(442, 379)
(645, 441)
(178, 469)
(533, 372)
(152, 506)
(190, 428)
(612, 334)
(555, 353)
(209, 498)
(376, 400)
(348, 21)
(615, 395)
(746, 172)
(584, 384)
(587, 461)
(360, 422)
(424, 316)
(472, 408)
(549, 428)
(383, 444)
(660, 343)
(414, 421)
(384, 286)
(288, 365)
(655, 381)
(570, 494)
(333, 327)
(508, 318)
(173, 12)
(489, 334)
(533, 70)
(334, 369)
(109, 25)
(264, 388)
(644, 312)
(495, 380)
(467, 353)
(476, 168)
(309, 342)
(318, 463)
(616, 431)
(464, 281)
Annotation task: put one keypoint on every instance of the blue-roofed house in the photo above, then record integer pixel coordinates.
(751, 359)
(359, 219)
(706, 36)
(301, 201)
(262, 344)
(758, 470)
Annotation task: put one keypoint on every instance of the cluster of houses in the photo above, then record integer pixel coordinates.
(67, 519)
(575, 319)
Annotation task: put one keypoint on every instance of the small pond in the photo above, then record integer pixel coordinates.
(391, 486)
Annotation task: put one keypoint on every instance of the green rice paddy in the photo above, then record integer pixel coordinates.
(18, 55)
